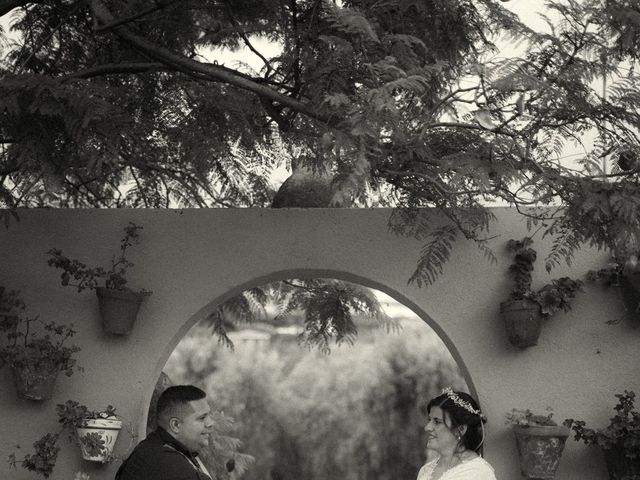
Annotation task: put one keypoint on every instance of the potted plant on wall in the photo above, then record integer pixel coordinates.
(540, 442)
(525, 309)
(557, 295)
(619, 441)
(118, 304)
(36, 357)
(94, 431)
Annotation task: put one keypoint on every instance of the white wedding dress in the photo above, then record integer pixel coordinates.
(476, 468)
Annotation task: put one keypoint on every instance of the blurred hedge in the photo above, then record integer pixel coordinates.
(354, 414)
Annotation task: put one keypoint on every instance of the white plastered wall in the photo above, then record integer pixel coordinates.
(194, 259)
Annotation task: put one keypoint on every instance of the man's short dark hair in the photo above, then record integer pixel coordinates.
(175, 397)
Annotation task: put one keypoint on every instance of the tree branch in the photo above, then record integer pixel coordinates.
(7, 5)
(115, 68)
(469, 126)
(442, 189)
(131, 18)
(451, 95)
(8, 171)
(295, 285)
(212, 72)
(249, 45)
(47, 38)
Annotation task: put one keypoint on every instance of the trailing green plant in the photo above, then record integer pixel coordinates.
(71, 415)
(522, 267)
(44, 458)
(11, 309)
(41, 353)
(42, 350)
(552, 297)
(623, 431)
(77, 274)
(558, 295)
(527, 418)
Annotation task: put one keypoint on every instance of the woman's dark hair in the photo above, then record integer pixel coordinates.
(473, 438)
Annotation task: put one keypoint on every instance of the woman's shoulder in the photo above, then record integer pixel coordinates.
(427, 470)
(477, 468)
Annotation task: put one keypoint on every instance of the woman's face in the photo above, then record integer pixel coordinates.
(440, 436)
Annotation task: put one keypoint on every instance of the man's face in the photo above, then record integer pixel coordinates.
(195, 425)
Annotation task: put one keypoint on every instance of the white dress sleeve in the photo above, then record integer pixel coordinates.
(475, 469)
(426, 471)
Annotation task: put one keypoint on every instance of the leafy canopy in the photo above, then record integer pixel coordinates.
(119, 103)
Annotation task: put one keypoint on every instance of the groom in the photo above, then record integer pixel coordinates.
(171, 451)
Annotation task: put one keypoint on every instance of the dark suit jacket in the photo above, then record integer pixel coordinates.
(161, 457)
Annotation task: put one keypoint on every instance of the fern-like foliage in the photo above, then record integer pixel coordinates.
(327, 308)
(434, 255)
(565, 244)
(220, 327)
(349, 21)
(238, 311)
(224, 450)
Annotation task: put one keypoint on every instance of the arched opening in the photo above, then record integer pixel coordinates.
(362, 401)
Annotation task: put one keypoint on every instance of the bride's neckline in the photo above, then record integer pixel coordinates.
(434, 464)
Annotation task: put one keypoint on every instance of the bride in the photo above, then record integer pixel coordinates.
(455, 432)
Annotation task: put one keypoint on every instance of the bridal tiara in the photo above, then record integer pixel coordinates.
(453, 396)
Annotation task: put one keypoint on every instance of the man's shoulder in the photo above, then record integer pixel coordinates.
(155, 445)
(158, 452)
(156, 459)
